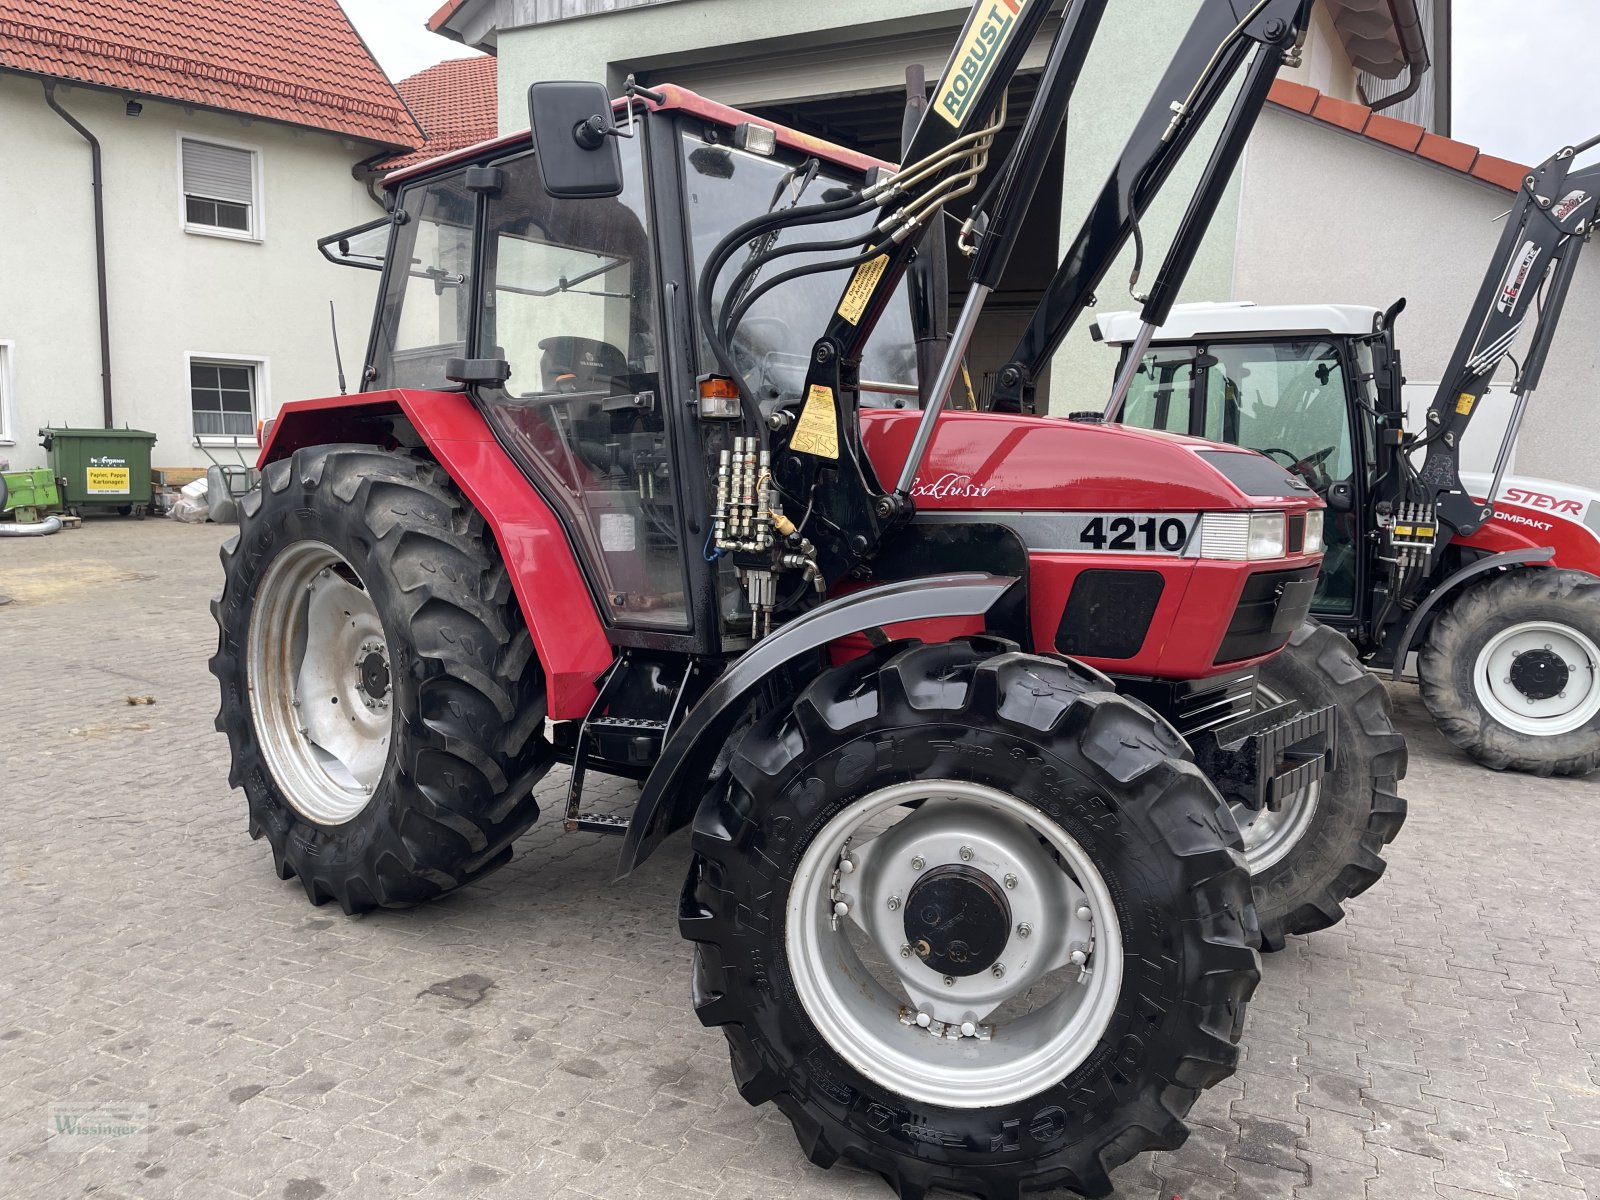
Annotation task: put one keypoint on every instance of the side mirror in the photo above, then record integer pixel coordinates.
(575, 140)
(1342, 496)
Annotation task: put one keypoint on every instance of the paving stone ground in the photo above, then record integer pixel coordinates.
(531, 1036)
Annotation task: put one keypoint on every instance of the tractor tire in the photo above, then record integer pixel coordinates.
(1511, 672)
(1003, 774)
(362, 578)
(1322, 846)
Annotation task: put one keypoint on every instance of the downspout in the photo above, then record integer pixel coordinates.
(1414, 43)
(99, 243)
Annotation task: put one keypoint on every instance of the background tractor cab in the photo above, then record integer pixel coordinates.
(1319, 389)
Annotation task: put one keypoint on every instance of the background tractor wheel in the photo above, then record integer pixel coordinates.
(971, 921)
(382, 702)
(1321, 847)
(1511, 672)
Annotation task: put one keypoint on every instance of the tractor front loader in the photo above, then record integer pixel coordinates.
(957, 707)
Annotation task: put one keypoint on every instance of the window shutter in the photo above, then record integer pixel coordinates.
(218, 172)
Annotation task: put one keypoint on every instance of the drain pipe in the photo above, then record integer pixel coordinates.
(99, 244)
(33, 529)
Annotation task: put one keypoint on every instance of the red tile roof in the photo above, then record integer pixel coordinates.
(1398, 135)
(297, 61)
(456, 103)
(446, 11)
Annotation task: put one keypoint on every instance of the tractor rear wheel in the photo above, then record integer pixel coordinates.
(1511, 672)
(970, 920)
(1321, 846)
(382, 701)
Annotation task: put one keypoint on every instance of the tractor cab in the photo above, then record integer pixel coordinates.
(1306, 385)
(569, 316)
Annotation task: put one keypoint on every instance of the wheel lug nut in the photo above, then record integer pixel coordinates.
(949, 981)
(924, 1020)
(968, 1029)
(846, 866)
(894, 903)
(998, 970)
(917, 864)
(1011, 881)
(1078, 958)
(1024, 930)
(841, 909)
(1083, 912)
(905, 951)
(966, 854)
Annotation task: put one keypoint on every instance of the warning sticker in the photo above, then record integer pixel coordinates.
(1464, 403)
(817, 430)
(106, 481)
(861, 287)
(992, 25)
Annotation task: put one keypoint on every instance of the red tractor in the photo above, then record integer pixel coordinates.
(961, 755)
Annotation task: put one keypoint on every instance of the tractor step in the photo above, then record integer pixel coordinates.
(596, 822)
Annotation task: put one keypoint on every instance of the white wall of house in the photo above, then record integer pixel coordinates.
(1329, 217)
(173, 294)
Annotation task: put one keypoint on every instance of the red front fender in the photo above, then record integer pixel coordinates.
(567, 631)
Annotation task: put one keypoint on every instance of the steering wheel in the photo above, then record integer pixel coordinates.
(1308, 467)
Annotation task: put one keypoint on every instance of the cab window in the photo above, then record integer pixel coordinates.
(427, 297)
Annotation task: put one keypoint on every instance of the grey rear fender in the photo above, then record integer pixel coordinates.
(672, 794)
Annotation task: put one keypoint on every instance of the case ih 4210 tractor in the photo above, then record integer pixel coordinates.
(965, 754)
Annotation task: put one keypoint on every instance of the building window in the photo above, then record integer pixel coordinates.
(221, 188)
(223, 395)
(7, 377)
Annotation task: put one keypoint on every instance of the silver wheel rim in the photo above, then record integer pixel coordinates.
(974, 1041)
(1270, 834)
(1575, 706)
(318, 670)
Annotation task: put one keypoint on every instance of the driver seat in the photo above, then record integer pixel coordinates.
(580, 364)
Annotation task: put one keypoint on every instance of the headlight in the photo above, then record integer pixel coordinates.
(1314, 532)
(1269, 535)
(1241, 536)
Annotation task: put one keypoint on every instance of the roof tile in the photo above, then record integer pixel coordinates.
(296, 61)
(1294, 95)
(1344, 113)
(457, 104)
(1400, 135)
(1458, 156)
(1499, 171)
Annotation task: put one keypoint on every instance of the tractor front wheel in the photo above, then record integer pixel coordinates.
(1511, 672)
(381, 699)
(1322, 844)
(970, 920)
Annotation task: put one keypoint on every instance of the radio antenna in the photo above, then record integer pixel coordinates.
(338, 359)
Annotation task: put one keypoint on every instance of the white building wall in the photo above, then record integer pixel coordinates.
(1329, 217)
(172, 293)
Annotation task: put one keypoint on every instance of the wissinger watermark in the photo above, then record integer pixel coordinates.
(75, 1128)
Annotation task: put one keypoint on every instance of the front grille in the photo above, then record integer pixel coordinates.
(1271, 606)
(1109, 613)
(1297, 534)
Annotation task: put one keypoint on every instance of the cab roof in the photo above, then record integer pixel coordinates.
(673, 98)
(1242, 318)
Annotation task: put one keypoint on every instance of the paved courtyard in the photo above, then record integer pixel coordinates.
(531, 1036)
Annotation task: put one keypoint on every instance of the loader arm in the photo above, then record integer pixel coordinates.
(814, 446)
(1529, 275)
(1215, 49)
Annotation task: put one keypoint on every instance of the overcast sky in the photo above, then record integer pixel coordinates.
(1520, 70)
(1522, 75)
(397, 32)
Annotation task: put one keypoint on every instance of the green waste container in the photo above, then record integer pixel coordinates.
(101, 469)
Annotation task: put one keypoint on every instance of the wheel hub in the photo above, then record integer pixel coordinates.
(957, 920)
(373, 668)
(1539, 674)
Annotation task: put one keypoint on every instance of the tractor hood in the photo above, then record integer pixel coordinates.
(1003, 462)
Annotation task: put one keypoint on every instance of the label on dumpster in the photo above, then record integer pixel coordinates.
(107, 481)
